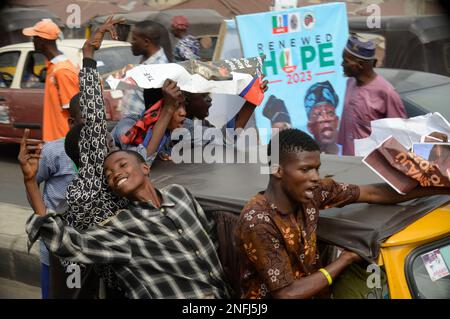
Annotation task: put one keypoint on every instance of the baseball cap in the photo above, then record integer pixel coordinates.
(45, 29)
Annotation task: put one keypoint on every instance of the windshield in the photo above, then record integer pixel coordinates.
(110, 60)
(430, 272)
(434, 99)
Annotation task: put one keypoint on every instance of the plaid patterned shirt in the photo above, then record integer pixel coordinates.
(133, 101)
(156, 253)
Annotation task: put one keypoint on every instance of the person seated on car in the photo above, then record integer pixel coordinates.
(126, 238)
(276, 232)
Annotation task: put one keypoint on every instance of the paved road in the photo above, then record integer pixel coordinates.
(16, 290)
(11, 185)
(15, 261)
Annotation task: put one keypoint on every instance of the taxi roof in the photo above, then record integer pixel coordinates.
(358, 227)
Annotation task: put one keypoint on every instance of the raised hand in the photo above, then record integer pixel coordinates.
(172, 95)
(96, 39)
(29, 155)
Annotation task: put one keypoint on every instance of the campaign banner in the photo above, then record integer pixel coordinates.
(303, 55)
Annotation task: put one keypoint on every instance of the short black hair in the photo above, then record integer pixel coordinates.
(158, 35)
(71, 144)
(150, 30)
(134, 153)
(293, 140)
(151, 96)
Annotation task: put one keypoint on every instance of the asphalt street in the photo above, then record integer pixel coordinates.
(11, 184)
(14, 211)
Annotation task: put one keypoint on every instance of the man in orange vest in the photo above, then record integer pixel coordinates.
(61, 82)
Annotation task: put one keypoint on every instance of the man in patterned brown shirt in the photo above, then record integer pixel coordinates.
(276, 231)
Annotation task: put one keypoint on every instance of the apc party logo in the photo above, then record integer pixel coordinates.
(288, 61)
(286, 23)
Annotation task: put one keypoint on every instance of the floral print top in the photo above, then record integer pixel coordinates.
(277, 248)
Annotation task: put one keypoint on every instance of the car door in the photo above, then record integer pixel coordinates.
(28, 99)
(8, 69)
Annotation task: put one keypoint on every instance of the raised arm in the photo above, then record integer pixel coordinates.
(29, 155)
(172, 97)
(88, 202)
(384, 194)
(247, 109)
(99, 245)
(93, 145)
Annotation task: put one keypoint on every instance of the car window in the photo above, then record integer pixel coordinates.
(207, 46)
(434, 99)
(34, 71)
(429, 271)
(110, 60)
(8, 64)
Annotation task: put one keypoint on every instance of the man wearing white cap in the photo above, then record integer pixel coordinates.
(368, 97)
(61, 82)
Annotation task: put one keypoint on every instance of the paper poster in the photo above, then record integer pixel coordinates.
(435, 265)
(406, 131)
(233, 76)
(303, 54)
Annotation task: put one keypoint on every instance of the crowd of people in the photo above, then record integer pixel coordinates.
(101, 212)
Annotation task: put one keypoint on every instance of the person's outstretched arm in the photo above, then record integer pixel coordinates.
(29, 155)
(384, 194)
(85, 194)
(172, 97)
(93, 145)
(100, 245)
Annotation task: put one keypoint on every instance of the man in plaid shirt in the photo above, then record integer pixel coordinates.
(160, 246)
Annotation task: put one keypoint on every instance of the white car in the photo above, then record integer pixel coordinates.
(22, 71)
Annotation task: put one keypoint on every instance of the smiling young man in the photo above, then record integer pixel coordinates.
(159, 245)
(276, 232)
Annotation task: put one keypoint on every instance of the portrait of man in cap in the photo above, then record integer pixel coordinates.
(321, 102)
